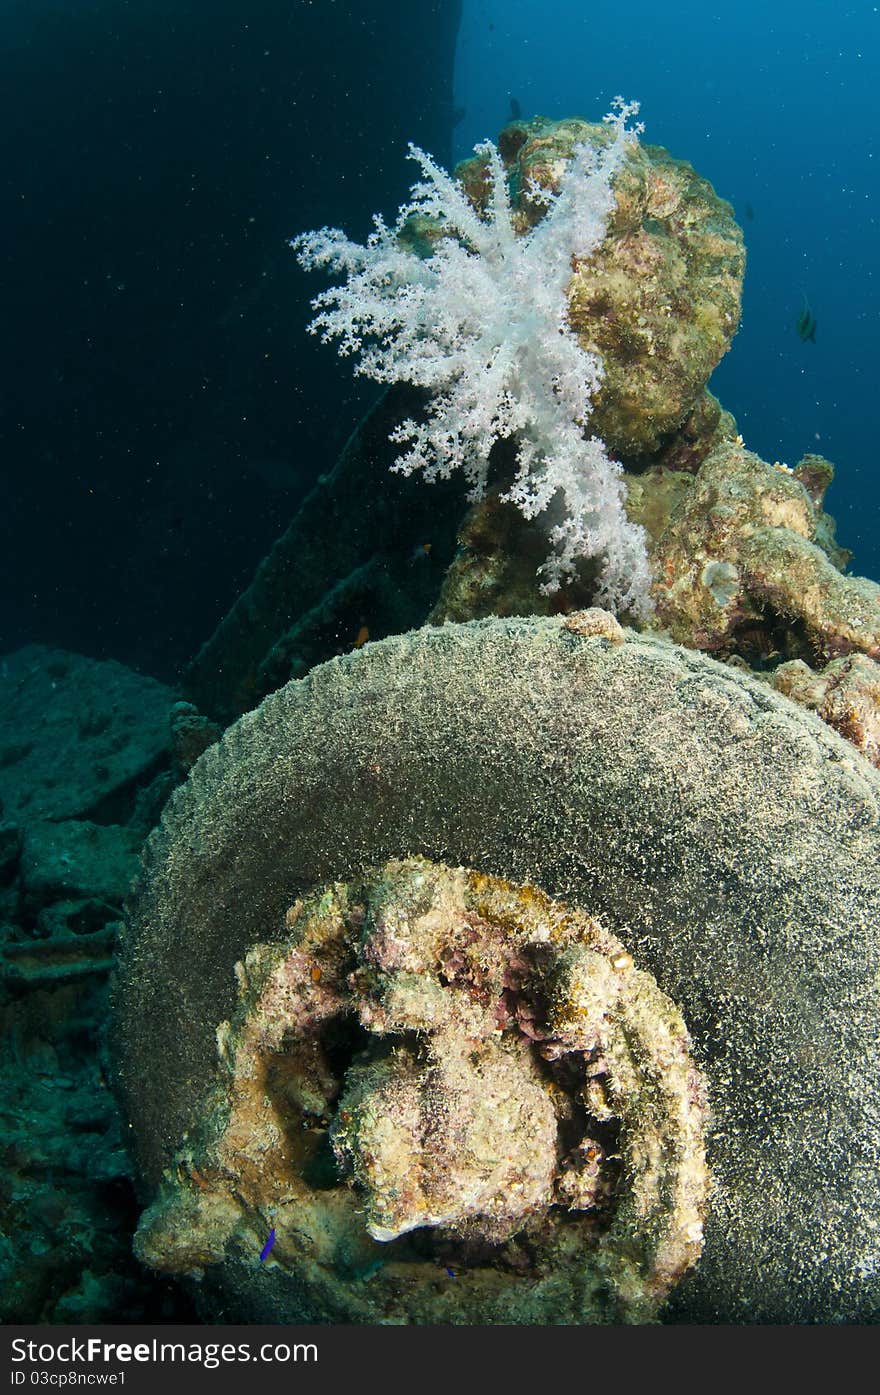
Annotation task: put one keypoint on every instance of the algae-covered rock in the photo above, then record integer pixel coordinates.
(745, 566)
(508, 1097)
(725, 838)
(747, 563)
(659, 300)
(77, 736)
(83, 748)
(845, 694)
(76, 858)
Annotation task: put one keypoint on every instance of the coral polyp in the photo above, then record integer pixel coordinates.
(438, 1072)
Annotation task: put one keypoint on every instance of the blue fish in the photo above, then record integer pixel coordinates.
(264, 1253)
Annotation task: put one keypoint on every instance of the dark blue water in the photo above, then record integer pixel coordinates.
(162, 412)
(161, 409)
(776, 105)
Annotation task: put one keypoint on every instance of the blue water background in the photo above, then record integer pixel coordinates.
(776, 104)
(162, 410)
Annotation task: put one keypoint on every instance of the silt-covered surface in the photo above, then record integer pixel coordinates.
(725, 836)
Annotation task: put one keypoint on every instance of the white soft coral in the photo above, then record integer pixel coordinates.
(483, 324)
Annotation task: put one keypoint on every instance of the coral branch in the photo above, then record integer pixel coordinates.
(482, 323)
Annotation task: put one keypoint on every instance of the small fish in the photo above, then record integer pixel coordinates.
(264, 1252)
(515, 110)
(806, 324)
(361, 637)
(450, 1272)
(420, 552)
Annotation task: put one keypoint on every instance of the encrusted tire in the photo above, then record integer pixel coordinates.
(728, 839)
